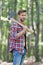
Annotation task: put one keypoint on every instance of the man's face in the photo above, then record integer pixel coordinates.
(22, 16)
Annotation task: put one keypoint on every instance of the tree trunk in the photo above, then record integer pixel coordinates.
(28, 19)
(15, 10)
(0, 29)
(29, 24)
(37, 35)
(42, 32)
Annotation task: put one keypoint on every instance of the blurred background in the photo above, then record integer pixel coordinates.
(34, 20)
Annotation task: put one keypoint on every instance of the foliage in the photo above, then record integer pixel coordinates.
(14, 6)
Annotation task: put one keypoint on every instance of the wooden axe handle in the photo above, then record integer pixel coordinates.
(11, 19)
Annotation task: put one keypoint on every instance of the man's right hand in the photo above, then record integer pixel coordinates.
(23, 31)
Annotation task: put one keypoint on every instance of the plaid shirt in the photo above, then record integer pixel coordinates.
(15, 42)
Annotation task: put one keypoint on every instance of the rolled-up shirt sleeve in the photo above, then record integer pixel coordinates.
(14, 31)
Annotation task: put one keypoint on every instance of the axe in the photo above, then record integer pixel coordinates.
(13, 20)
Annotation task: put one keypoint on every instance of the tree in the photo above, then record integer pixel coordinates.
(15, 8)
(41, 20)
(0, 28)
(37, 28)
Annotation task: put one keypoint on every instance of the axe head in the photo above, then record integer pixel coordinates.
(10, 15)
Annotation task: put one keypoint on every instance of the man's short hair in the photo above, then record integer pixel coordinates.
(21, 11)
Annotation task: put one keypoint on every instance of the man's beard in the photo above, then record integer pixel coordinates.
(21, 20)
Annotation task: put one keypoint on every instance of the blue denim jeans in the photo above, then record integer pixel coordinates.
(18, 58)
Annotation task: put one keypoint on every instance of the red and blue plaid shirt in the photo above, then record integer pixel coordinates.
(15, 42)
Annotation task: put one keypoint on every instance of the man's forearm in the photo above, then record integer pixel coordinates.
(21, 33)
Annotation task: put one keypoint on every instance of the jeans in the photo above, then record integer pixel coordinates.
(18, 58)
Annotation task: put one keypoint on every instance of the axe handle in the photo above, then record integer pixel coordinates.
(11, 19)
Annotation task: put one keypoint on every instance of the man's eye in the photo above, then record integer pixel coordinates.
(23, 15)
